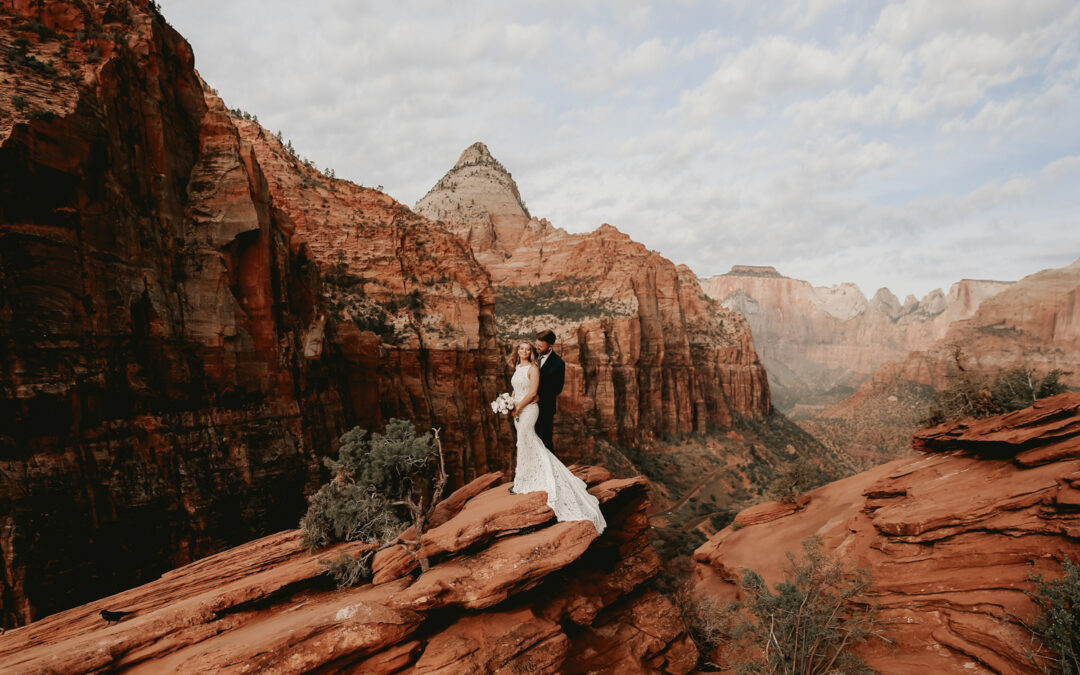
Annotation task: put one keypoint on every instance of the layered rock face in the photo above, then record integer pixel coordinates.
(408, 312)
(509, 590)
(950, 537)
(1034, 323)
(189, 318)
(818, 344)
(647, 352)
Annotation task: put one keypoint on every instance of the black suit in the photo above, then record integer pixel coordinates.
(552, 375)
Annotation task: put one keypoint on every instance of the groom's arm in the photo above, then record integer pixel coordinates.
(560, 377)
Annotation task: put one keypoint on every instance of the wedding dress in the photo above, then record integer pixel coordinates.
(540, 471)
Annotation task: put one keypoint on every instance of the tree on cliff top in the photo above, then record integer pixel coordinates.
(979, 394)
(795, 479)
(381, 483)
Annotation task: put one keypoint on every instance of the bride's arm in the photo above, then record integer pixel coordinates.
(531, 396)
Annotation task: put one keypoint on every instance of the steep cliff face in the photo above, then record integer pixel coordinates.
(647, 352)
(818, 344)
(184, 333)
(1034, 323)
(950, 537)
(146, 387)
(409, 312)
(509, 590)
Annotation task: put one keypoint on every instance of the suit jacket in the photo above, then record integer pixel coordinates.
(552, 376)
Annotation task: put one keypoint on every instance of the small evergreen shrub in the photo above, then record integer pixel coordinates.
(1058, 627)
(979, 394)
(795, 479)
(348, 571)
(807, 624)
(343, 511)
(392, 462)
(381, 484)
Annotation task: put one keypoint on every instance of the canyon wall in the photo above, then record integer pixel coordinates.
(1034, 324)
(189, 317)
(647, 352)
(820, 343)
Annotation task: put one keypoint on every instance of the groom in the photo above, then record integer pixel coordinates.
(552, 374)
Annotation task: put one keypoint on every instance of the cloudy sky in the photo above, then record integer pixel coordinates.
(906, 144)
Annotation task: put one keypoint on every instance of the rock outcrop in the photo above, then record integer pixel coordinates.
(189, 317)
(820, 343)
(647, 352)
(509, 590)
(950, 537)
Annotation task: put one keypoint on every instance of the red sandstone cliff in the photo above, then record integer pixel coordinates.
(647, 352)
(509, 590)
(409, 313)
(189, 318)
(818, 344)
(950, 537)
(1034, 323)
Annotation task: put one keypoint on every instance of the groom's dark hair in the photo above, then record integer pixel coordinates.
(547, 336)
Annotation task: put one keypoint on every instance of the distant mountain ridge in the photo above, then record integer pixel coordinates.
(1034, 323)
(819, 343)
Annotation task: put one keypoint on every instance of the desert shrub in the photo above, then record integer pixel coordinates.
(811, 620)
(975, 394)
(1058, 626)
(709, 622)
(392, 463)
(344, 511)
(722, 518)
(347, 570)
(795, 479)
(381, 483)
(1051, 385)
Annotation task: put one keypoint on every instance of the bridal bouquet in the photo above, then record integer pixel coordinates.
(503, 404)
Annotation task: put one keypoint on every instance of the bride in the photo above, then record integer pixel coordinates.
(537, 469)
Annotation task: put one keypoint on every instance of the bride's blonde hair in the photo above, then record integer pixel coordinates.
(515, 359)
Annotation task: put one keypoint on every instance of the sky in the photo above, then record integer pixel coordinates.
(902, 144)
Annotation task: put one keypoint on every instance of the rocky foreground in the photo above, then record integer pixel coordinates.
(951, 538)
(509, 590)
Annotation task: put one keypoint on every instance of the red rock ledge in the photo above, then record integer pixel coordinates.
(950, 537)
(509, 589)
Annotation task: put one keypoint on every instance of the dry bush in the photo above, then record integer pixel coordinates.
(1058, 626)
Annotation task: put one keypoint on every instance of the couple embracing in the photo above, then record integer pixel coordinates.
(538, 379)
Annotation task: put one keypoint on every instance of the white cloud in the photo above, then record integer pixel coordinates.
(771, 66)
(905, 145)
(1061, 167)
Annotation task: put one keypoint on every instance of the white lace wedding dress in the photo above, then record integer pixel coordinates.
(540, 471)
